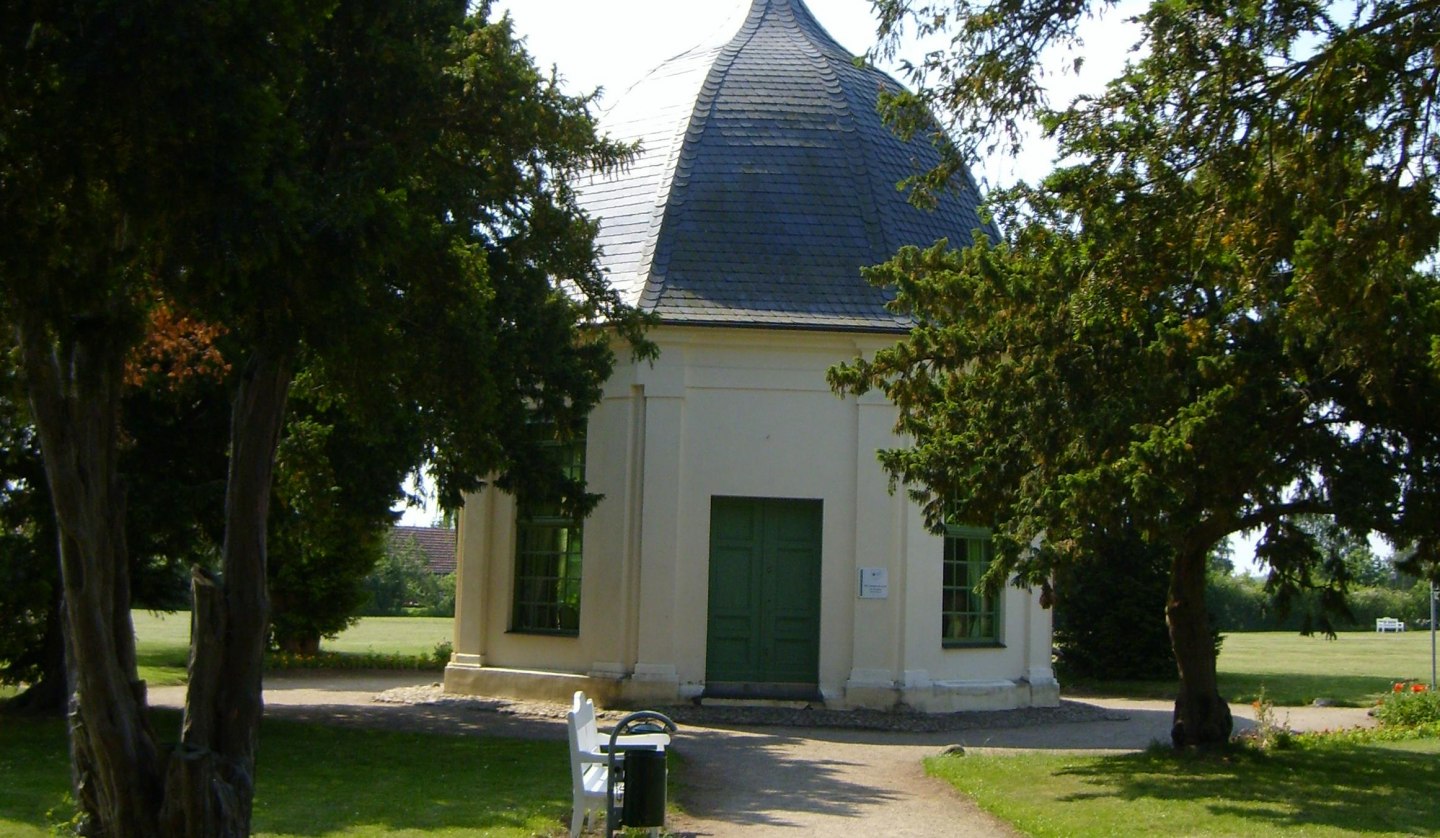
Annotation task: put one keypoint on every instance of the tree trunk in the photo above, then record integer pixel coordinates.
(306, 645)
(124, 786)
(1202, 717)
(73, 382)
(210, 785)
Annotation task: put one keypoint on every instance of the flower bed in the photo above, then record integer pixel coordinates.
(1409, 704)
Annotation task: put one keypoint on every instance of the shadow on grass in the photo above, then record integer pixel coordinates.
(169, 656)
(315, 780)
(1354, 789)
(34, 771)
(1293, 689)
(162, 666)
(333, 769)
(321, 779)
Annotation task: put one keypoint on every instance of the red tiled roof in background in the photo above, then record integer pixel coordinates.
(436, 543)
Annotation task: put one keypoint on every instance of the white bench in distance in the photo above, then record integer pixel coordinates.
(1389, 624)
(590, 762)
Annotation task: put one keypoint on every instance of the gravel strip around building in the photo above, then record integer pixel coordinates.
(700, 715)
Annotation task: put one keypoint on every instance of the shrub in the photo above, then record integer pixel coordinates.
(277, 661)
(1409, 705)
(443, 602)
(1110, 612)
(1240, 603)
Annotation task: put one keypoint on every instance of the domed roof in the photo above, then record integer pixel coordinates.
(765, 182)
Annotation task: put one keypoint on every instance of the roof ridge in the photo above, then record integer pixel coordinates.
(858, 154)
(807, 22)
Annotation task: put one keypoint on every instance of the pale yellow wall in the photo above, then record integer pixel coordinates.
(743, 413)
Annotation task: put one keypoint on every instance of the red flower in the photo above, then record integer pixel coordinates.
(1399, 688)
(1417, 688)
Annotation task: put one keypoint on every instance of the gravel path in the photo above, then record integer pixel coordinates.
(764, 770)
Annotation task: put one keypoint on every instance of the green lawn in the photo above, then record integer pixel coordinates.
(162, 641)
(320, 781)
(1355, 669)
(1318, 789)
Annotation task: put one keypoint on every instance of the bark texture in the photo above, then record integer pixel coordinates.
(74, 385)
(125, 784)
(1202, 717)
(210, 782)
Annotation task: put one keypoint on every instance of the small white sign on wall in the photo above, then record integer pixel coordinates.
(874, 582)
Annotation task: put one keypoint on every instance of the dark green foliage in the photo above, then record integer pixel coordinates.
(174, 466)
(1110, 613)
(373, 190)
(1218, 315)
(174, 469)
(337, 473)
(29, 573)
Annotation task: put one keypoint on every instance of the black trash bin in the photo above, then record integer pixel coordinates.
(642, 772)
(644, 802)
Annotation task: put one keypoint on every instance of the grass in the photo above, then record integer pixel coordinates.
(1320, 788)
(163, 641)
(318, 781)
(1353, 670)
(34, 775)
(1344, 784)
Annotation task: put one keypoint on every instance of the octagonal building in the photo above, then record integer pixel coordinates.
(747, 545)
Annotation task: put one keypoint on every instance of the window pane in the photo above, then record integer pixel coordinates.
(548, 557)
(967, 616)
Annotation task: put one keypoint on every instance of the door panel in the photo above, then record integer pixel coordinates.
(764, 620)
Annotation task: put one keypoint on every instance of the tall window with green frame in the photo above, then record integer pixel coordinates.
(548, 544)
(968, 618)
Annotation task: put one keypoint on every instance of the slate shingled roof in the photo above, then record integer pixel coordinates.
(767, 180)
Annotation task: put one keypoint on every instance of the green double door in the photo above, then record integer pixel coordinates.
(764, 621)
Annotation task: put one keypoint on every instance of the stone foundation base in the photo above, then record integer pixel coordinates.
(952, 696)
(607, 690)
(652, 687)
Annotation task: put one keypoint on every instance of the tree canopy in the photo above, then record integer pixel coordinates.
(1219, 313)
(379, 186)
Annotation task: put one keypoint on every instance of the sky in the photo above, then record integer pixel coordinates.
(611, 44)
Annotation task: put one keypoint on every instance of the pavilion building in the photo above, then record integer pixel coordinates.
(748, 543)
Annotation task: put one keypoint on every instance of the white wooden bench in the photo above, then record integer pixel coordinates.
(589, 760)
(1389, 624)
